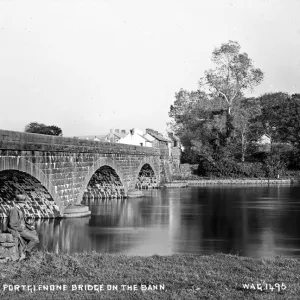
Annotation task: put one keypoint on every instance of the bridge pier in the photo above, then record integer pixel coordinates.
(135, 194)
(75, 211)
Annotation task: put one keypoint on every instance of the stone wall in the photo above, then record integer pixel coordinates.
(175, 159)
(187, 170)
(8, 247)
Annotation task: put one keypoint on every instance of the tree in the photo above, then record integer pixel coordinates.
(234, 73)
(275, 164)
(199, 122)
(40, 128)
(244, 114)
(271, 114)
(280, 117)
(289, 120)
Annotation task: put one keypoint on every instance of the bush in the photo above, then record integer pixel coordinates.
(230, 168)
(275, 164)
(255, 169)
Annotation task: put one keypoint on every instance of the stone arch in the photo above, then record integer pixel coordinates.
(101, 162)
(150, 162)
(20, 164)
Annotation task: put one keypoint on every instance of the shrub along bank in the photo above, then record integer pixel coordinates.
(228, 168)
(156, 277)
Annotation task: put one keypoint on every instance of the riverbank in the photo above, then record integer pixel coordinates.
(199, 182)
(157, 277)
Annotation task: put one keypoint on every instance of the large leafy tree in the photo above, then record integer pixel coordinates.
(233, 74)
(200, 122)
(40, 128)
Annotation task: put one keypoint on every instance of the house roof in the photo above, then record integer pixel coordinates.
(143, 136)
(158, 137)
(92, 137)
(119, 134)
(265, 135)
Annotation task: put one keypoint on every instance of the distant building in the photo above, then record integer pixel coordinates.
(112, 137)
(263, 144)
(115, 135)
(97, 138)
(136, 137)
(158, 139)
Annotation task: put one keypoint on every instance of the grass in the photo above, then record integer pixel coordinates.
(183, 276)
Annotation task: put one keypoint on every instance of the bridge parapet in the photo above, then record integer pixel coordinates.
(22, 141)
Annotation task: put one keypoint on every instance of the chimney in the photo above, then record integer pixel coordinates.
(123, 131)
(111, 130)
(117, 131)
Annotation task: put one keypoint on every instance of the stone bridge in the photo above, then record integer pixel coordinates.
(65, 166)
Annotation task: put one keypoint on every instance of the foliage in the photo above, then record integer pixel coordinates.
(40, 128)
(268, 122)
(275, 164)
(229, 168)
(233, 74)
(252, 169)
(280, 117)
(245, 111)
(220, 129)
(293, 158)
(203, 129)
(289, 120)
(199, 122)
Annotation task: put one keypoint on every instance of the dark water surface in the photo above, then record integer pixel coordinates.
(251, 221)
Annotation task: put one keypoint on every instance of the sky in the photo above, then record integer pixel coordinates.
(87, 66)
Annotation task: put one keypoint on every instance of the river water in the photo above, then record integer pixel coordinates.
(253, 221)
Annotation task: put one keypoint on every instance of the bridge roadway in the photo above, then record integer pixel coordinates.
(64, 166)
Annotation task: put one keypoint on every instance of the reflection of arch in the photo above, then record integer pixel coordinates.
(92, 170)
(22, 165)
(150, 162)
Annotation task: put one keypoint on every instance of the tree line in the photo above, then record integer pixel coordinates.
(219, 127)
(40, 128)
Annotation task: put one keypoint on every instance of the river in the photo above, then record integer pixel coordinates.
(253, 221)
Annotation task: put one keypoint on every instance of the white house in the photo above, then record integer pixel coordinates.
(264, 140)
(135, 137)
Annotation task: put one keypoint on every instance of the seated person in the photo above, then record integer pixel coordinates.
(23, 230)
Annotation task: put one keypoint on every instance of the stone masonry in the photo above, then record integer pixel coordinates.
(8, 247)
(64, 166)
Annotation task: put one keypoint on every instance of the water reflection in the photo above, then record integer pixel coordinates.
(250, 221)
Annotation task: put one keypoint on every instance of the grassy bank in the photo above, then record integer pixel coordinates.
(175, 277)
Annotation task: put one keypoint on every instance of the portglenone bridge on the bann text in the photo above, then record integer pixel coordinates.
(58, 172)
